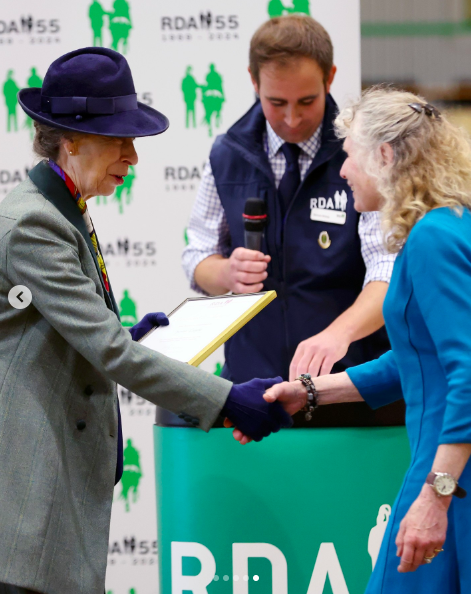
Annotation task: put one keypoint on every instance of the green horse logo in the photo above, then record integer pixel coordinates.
(123, 193)
(132, 475)
(34, 80)
(119, 24)
(128, 311)
(276, 8)
(211, 96)
(10, 91)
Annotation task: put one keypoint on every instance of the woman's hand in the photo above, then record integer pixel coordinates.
(423, 529)
(292, 395)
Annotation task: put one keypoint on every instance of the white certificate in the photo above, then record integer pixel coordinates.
(201, 324)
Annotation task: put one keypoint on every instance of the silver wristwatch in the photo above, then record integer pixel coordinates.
(444, 485)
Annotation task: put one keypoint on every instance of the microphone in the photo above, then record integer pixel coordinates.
(255, 220)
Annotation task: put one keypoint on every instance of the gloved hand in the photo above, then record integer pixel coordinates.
(149, 321)
(246, 409)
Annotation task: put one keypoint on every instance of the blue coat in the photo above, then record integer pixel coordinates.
(313, 285)
(428, 317)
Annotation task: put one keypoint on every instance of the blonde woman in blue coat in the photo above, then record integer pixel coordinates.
(407, 160)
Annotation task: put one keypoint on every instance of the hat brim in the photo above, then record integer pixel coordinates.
(144, 121)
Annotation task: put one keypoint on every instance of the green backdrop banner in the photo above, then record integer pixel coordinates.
(304, 511)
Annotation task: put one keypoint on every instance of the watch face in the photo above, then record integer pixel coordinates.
(444, 484)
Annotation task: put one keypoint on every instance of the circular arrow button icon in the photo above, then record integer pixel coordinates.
(20, 297)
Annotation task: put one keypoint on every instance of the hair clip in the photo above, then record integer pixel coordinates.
(429, 109)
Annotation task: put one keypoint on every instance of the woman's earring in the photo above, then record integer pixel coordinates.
(71, 152)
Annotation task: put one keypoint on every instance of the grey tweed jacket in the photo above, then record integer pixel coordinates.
(60, 361)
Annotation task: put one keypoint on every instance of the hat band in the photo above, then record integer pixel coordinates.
(88, 105)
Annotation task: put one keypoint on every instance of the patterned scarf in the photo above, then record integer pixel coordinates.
(86, 217)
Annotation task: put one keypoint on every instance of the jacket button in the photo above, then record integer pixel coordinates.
(81, 424)
(88, 391)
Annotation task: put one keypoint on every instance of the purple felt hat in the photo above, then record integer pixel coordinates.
(91, 90)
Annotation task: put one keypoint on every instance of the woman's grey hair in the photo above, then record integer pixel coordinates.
(47, 141)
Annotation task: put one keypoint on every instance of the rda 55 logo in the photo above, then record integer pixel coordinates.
(36, 30)
(132, 551)
(198, 26)
(9, 178)
(126, 252)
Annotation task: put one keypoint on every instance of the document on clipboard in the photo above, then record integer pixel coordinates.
(200, 325)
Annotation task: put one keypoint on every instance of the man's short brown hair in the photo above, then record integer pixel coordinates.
(283, 38)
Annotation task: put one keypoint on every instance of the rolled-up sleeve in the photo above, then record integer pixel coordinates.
(379, 263)
(208, 230)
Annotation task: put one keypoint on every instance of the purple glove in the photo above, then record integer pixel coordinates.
(249, 412)
(149, 321)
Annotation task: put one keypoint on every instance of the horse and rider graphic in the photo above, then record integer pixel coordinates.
(119, 24)
(212, 98)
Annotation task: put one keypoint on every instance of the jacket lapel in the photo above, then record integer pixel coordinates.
(53, 188)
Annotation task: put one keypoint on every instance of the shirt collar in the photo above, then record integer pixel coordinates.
(70, 185)
(309, 146)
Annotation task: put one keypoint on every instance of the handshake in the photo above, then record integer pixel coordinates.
(254, 408)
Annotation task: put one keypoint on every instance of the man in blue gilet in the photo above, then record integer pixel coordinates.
(326, 262)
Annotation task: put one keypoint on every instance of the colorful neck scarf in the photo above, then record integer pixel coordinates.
(82, 205)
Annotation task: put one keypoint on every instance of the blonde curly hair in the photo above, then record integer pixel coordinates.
(432, 158)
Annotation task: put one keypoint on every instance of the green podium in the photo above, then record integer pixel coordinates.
(302, 512)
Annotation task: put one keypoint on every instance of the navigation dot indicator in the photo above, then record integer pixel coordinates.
(20, 297)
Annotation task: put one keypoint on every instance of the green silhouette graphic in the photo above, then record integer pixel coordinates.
(123, 193)
(189, 87)
(34, 80)
(10, 91)
(128, 311)
(131, 475)
(97, 14)
(185, 236)
(126, 189)
(300, 6)
(212, 98)
(276, 8)
(218, 369)
(119, 23)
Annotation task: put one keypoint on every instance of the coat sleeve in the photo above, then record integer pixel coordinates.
(377, 381)
(439, 252)
(43, 254)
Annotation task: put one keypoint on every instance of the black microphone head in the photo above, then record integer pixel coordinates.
(255, 214)
(255, 207)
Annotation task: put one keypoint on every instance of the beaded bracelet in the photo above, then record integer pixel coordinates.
(312, 395)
